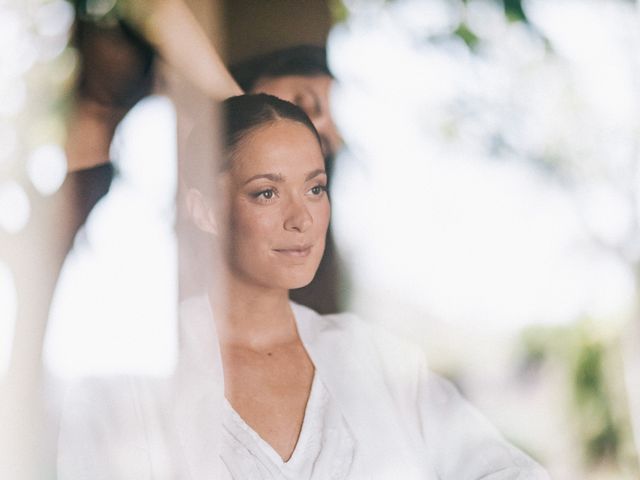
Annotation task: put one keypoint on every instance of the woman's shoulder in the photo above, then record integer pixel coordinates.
(461, 441)
(396, 356)
(348, 323)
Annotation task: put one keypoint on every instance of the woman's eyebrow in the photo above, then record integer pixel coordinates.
(315, 173)
(274, 177)
(277, 177)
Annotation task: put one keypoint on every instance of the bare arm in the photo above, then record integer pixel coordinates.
(171, 28)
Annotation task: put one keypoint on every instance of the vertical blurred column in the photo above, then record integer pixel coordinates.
(198, 144)
(198, 133)
(35, 65)
(631, 359)
(27, 448)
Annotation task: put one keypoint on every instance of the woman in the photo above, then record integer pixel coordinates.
(304, 396)
(273, 186)
(312, 396)
(300, 74)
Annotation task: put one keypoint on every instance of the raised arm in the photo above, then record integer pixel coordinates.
(171, 28)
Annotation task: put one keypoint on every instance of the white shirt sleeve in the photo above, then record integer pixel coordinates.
(461, 443)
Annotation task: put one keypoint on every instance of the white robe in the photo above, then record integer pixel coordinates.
(408, 423)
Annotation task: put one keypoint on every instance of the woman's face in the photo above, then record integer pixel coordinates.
(278, 208)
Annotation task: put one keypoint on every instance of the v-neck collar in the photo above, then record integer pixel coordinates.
(345, 361)
(309, 424)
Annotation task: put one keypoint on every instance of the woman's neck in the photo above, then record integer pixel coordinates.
(252, 317)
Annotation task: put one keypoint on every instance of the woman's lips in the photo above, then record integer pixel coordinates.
(302, 251)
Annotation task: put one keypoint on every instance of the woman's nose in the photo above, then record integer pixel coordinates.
(298, 217)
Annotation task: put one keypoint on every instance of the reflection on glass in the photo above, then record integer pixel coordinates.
(118, 290)
(7, 315)
(47, 167)
(14, 207)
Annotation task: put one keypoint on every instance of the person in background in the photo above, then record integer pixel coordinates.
(300, 75)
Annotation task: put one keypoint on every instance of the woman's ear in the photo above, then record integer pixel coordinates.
(201, 213)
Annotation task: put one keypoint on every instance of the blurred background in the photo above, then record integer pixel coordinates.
(486, 203)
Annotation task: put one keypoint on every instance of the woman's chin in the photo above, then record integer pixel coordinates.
(301, 280)
(298, 276)
(300, 284)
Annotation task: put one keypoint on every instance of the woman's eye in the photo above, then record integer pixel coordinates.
(318, 190)
(267, 194)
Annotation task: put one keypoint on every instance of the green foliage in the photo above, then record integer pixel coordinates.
(588, 372)
(514, 11)
(593, 402)
(467, 35)
(339, 12)
(98, 11)
(586, 357)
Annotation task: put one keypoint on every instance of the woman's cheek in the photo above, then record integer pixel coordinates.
(257, 222)
(323, 215)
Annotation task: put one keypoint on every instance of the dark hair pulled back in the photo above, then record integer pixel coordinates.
(244, 113)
